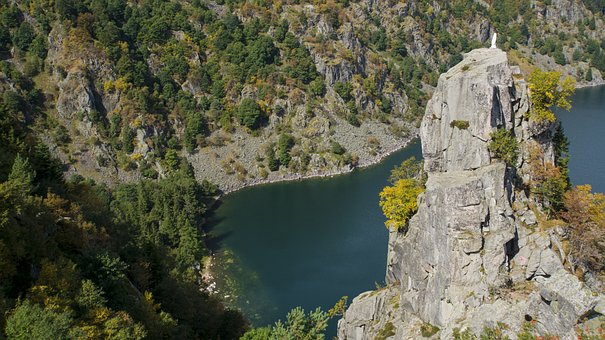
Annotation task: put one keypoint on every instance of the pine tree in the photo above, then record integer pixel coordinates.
(21, 177)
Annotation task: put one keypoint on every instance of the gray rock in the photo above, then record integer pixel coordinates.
(466, 259)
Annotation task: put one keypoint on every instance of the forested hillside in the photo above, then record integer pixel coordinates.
(113, 113)
(80, 260)
(254, 90)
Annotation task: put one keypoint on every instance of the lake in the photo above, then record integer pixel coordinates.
(303, 243)
(307, 243)
(584, 126)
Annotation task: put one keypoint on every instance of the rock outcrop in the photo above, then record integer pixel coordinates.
(474, 255)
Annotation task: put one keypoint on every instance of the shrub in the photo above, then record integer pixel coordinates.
(585, 214)
(344, 90)
(284, 144)
(460, 124)
(24, 35)
(31, 321)
(387, 331)
(546, 90)
(353, 120)
(504, 146)
(317, 87)
(272, 162)
(128, 136)
(427, 330)
(399, 202)
(409, 169)
(336, 148)
(249, 114)
(548, 183)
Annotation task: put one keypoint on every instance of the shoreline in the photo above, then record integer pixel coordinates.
(379, 157)
(583, 86)
(208, 275)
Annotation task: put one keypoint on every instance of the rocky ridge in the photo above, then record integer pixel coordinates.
(475, 255)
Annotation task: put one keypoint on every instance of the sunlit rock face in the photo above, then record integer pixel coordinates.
(473, 255)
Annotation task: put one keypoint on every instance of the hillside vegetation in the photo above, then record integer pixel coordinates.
(116, 118)
(124, 89)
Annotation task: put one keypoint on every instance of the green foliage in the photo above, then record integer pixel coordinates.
(546, 91)
(411, 168)
(284, 145)
(5, 39)
(548, 182)
(317, 87)
(30, 321)
(339, 308)
(352, 119)
(427, 330)
(127, 137)
(336, 148)
(298, 325)
(467, 334)
(527, 332)
(379, 39)
(399, 202)
(504, 146)
(560, 57)
(597, 6)
(24, 36)
(588, 76)
(561, 144)
(261, 52)
(272, 162)
(90, 296)
(249, 114)
(103, 258)
(459, 124)
(22, 176)
(194, 129)
(344, 90)
(387, 331)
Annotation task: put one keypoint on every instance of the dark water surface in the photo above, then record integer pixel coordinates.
(304, 243)
(584, 126)
(308, 243)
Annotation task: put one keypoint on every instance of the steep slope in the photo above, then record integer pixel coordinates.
(475, 255)
(249, 91)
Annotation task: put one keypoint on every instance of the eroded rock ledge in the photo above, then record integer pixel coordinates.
(474, 255)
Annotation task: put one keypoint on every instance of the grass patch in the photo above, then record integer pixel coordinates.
(427, 330)
(386, 332)
(465, 68)
(460, 124)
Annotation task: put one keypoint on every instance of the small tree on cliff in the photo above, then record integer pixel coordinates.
(585, 214)
(504, 146)
(546, 91)
(399, 202)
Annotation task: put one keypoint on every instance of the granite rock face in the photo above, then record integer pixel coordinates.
(474, 254)
(471, 99)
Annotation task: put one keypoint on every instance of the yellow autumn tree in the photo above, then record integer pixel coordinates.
(546, 91)
(399, 202)
(585, 214)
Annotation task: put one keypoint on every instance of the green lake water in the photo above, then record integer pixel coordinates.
(307, 243)
(303, 243)
(584, 126)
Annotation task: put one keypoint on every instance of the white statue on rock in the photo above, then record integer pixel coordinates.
(494, 41)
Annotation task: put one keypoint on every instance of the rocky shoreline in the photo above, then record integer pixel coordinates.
(209, 277)
(379, 157)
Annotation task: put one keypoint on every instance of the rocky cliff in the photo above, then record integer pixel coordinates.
(475, 255)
